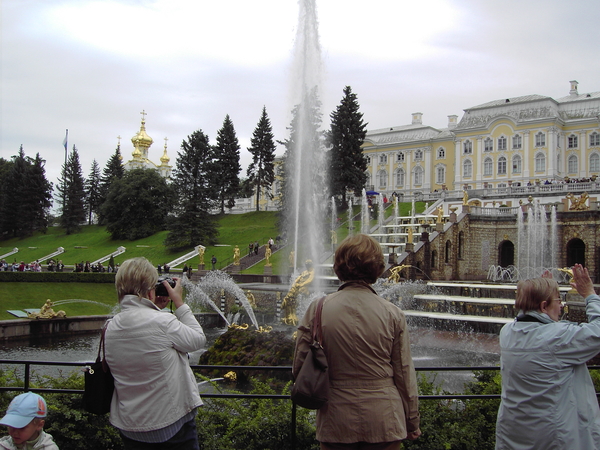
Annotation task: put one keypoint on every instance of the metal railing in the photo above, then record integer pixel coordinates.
(28, 364)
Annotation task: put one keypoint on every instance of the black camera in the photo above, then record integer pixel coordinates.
(161, 290)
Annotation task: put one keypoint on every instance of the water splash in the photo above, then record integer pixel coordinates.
(365, 214)
(210, 286)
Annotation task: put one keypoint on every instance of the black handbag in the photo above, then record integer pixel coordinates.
(99, 383)
(311, 386)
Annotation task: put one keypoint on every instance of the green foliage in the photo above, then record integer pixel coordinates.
(71, 189)
(193, 182)
(261, 171)
(254, 424)
(112, 171)
(348, 165)
(227, 165)
(137, 205)
(458, 424)
(92, 191)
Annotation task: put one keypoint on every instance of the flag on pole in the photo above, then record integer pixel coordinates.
(66, 140)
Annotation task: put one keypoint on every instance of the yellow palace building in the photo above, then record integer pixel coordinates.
(508, 142)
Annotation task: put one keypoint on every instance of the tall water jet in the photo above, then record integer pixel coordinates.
(536, 241)
(350, 218)
(365, 214)
(306, 196)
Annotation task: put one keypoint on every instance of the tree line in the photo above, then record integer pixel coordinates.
(205, 180)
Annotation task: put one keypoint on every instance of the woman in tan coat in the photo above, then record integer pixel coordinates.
(373, 400)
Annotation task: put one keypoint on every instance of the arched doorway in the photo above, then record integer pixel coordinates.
(506, 254)
(575, 252)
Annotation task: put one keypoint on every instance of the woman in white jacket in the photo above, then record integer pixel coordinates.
(548, 398)
(156, 394)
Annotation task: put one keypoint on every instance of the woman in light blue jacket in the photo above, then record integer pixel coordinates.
(548, 398)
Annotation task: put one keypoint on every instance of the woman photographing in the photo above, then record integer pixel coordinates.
(548, 398)
(156, 394)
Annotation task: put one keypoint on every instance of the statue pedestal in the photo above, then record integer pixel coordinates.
(235, 269)
(201, 267)
(268, 270)
(410, 247)
(439, 227)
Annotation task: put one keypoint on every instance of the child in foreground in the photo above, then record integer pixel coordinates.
(25, 421)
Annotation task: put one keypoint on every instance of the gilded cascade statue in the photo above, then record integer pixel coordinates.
(46, 312)
(300, 287)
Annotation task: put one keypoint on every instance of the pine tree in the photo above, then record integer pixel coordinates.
(348, 165)
(193, 183)
(71, 189)
(261, 172)
(92, 192)
(112, 171)
(227, 165)
(25, 196)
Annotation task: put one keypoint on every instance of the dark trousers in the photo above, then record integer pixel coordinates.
(185, 439)
(362, 446)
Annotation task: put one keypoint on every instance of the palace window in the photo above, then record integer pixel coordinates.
(540, 162)
(418, 176)
(368, 160)
(594, 162)
(517, 140)
(383, 159)
(441, 153)
(418, 155)
(516, 164)
(572, 141)
(468, 148)
(382, 177)
(572, 164)
(594, 139)
(400, 157)
(502, 143)
(467, 169)
(440, 175)
(502, 165)
(488, 166)
(488, 145)
(399, 177)
(540, 139)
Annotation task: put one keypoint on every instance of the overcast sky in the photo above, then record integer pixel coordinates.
(93, 66)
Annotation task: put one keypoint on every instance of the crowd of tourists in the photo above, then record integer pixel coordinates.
(34, 266)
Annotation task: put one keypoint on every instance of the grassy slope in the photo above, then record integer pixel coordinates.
(234, 229)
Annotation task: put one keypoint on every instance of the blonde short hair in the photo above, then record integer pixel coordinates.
(136, 276)
(359, 257)
(531, 293)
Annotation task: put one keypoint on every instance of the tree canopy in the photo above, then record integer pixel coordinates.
(227, 165)
(71, 188)
(92, 192)
(137, 205)
(194, 179)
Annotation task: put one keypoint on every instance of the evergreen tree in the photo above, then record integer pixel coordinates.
(193, 183)
(92, 192)
(112, 171)
(137, 205)
(305, 129)
(261, 172)
(348, 165)
(39, 193)
(25, 195)
(71, 189)
(227, 165)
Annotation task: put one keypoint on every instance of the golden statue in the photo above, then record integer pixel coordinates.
(440, 214)
(268, 257)
(46, 312)
(409, 239)
(251, 299)
(236, 256)
(300, 287)
(465, 197)
(578, 204)
(395, 273)
(291, 258)
(334, 239)
(201, 255)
